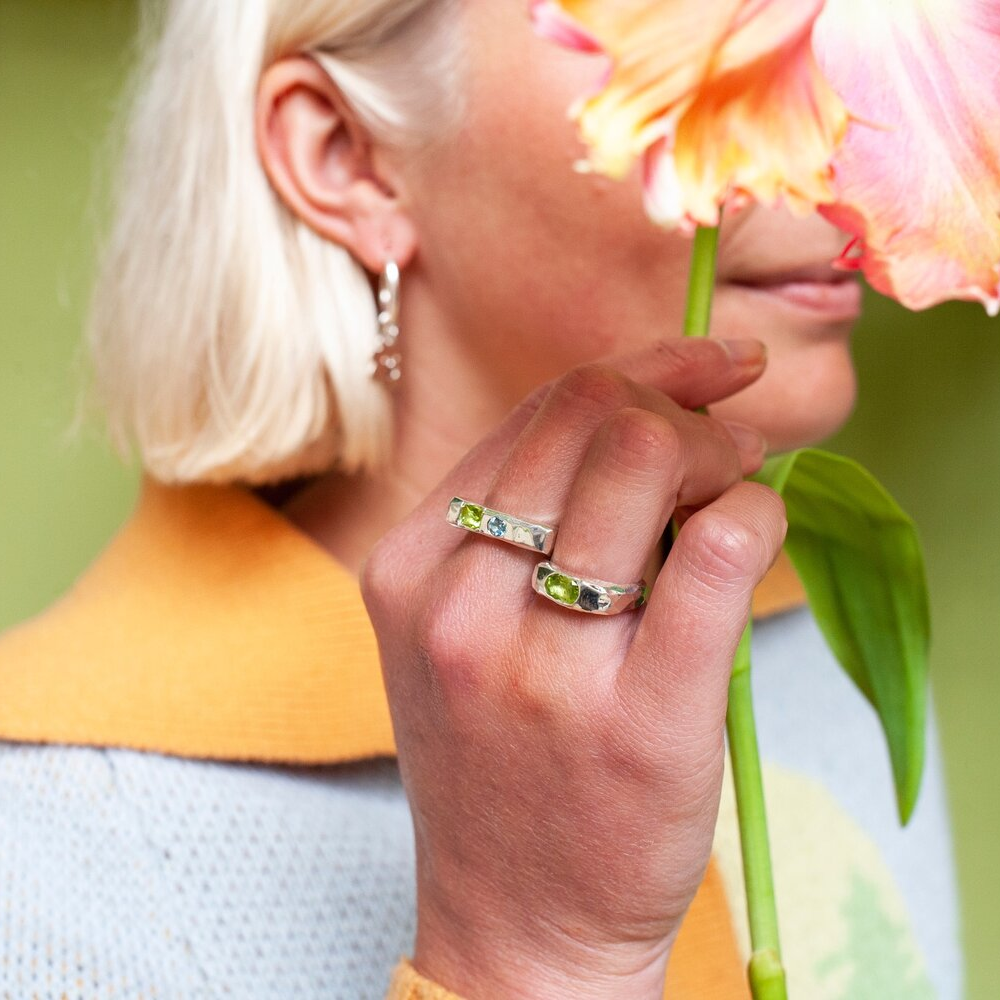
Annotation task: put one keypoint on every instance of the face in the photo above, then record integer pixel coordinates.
(537, 268)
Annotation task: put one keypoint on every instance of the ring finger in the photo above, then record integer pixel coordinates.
(636, 471)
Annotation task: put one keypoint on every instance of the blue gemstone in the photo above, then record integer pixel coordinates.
(496, 526)
(590, 600)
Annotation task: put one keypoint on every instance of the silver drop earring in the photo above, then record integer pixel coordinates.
(386, 359)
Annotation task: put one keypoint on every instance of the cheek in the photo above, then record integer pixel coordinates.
(513, 237)
(805, 395)
(537, 268)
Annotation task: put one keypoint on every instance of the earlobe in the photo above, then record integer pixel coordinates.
(318, 160)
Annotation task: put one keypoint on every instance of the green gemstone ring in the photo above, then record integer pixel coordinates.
(504, 527)
(596, 597)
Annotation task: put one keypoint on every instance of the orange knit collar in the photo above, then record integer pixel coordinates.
(210, 626)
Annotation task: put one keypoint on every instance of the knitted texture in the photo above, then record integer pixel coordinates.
(131, 875)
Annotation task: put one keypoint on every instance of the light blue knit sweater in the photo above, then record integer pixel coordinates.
(134, 875)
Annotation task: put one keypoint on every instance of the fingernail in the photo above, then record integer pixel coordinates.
(746, 352)
(748, 439)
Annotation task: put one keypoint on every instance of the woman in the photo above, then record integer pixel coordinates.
(161, 833)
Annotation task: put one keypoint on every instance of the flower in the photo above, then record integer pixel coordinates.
(917, 178)
(550, 22)
(880, 115)
(719, 99)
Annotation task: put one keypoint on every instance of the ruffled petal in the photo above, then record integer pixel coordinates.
(550, 21)
(660, 53)
(765, 128)
(721, 99)
(918, 175)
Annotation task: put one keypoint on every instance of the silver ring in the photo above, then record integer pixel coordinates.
(507, 528)
(596, 597)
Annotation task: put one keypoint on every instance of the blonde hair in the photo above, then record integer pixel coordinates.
(226, 337)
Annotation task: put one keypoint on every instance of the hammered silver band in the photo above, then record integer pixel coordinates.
(595, 597)
(504, 527)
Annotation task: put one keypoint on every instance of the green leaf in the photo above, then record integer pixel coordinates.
(859, 559)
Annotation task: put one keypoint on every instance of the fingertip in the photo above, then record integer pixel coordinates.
(747, 352)
(750, 443)
(751, 465)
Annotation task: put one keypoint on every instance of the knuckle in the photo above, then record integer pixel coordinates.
(596, 386)
(453, 632)
(444, 644)
(642, 437)
(533, 401)
(682, 762)
(535, 698)
(624, 758)
(436, 638)
(725, 547)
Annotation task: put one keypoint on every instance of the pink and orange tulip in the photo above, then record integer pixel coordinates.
(882, 116)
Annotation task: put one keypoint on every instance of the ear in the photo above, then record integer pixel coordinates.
(322, 164)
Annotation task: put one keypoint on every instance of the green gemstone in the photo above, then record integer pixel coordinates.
(470, 515)
(562, 588)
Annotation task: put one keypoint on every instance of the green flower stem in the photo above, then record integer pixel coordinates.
(767, 977)
(701, 281)
(766, 974)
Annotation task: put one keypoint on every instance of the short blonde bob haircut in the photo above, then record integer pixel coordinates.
(226, 337)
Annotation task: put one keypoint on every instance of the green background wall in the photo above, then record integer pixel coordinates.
(928, 420)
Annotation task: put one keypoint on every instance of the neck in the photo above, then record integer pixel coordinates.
(444, 403)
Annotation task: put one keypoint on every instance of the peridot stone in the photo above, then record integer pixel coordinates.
(562, 588)
(470, 515)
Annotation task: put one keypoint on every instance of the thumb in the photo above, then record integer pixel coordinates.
(676, 675)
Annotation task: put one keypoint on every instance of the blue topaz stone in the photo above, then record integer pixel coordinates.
(496, 526)
(495, 523)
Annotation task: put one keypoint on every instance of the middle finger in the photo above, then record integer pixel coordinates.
(537, 478)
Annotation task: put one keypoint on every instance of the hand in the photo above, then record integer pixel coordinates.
(563, 769)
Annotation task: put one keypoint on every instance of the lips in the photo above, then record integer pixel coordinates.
(834, 296)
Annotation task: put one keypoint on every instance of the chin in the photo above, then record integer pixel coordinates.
(802, 398)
